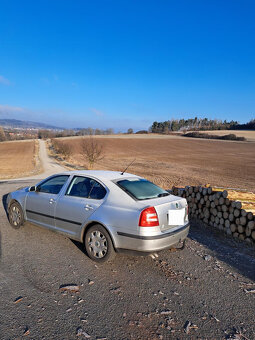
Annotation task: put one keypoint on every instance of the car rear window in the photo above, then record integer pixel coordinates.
(141, 189)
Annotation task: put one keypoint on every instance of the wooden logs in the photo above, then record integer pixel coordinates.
(225, 215)
(238, 205)
(231, 217)
(251, 225)
(253, 235)
(249, 216)
(216, 208)
(233, 227)
(241, 229)
(243, 220)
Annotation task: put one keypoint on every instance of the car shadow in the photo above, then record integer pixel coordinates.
(235, 253)
(0, 245)
(4, 202)
(80, 246)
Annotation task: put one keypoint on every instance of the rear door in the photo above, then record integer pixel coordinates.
(82, 198)
(40, 204)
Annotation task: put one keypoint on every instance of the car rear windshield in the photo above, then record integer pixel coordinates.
(141, 189)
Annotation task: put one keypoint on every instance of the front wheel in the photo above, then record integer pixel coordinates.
(16, 217)
(98, 244)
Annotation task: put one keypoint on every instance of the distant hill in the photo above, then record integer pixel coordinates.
(22, 124)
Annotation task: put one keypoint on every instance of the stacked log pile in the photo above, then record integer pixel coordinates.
(216, 208)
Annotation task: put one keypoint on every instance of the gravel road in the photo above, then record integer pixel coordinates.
(208, 284)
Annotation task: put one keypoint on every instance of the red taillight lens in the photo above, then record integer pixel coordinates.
(186, 217)
(149, 218)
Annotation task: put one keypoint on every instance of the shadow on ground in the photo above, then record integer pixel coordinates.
(4, 201)
(80, 246)
(237, 254)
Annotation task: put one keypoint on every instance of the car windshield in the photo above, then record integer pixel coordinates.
(141, 189)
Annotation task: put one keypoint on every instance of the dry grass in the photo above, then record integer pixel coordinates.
(177, 160)
(17, 159)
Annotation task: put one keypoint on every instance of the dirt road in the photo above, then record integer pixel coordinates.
(208, 284)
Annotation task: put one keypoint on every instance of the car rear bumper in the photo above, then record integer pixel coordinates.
(153, 243)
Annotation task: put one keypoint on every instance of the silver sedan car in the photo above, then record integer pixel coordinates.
(107, 211)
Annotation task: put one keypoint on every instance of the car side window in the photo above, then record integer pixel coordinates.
(53, 185)
(97, 191)
(86, 188)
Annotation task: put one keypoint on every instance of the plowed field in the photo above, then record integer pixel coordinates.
(177, 160)
(16, 159)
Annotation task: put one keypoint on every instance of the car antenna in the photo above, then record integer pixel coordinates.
(127, 167)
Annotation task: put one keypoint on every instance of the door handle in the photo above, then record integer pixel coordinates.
(52, 200)
(88, 207)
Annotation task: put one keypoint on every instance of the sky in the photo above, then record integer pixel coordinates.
(125, 64)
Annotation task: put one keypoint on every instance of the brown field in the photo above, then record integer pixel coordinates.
(249, 135)
(16, 159)
(177, 160)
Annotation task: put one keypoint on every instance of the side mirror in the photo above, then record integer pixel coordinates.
(33, 188)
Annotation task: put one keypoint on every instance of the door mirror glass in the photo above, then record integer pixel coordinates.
(33, 188)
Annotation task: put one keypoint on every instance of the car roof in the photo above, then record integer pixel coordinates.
(100, 174)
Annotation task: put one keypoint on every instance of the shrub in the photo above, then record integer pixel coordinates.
(196, 134)
(141, 132)
(61, 148)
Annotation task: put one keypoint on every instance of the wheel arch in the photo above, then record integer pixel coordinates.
(15, 200)
(91, 224)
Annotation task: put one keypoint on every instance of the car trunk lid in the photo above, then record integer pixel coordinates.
(171, 211)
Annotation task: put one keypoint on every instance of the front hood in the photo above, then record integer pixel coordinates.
(23, 189)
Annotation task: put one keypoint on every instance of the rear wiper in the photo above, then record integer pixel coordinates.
(163, 194)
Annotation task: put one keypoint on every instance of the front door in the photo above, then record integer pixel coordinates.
(41, 204)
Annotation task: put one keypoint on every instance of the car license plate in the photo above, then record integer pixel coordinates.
(176, 217)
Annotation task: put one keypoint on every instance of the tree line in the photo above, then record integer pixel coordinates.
(199, 124)
(69, 132)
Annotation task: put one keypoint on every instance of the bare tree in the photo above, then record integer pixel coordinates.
(91, 150)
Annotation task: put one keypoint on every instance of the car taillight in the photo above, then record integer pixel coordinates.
(149, 218)
(186, 213)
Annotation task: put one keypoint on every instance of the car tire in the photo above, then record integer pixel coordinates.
(15, 215)
(98, 244)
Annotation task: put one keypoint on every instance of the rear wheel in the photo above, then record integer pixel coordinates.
(98, 244)
(16, 216)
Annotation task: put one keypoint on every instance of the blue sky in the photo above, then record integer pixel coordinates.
(124, 64)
